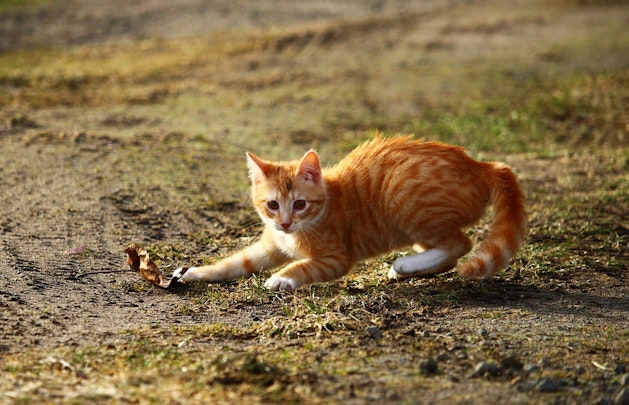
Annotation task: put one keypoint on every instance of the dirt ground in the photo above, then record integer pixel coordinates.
(82, 178)
(63, 190)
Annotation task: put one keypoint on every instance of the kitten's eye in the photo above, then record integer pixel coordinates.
(299, 205)
(273, 205)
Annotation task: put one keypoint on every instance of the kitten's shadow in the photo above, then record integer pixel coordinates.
(441, 292)
(497, 293)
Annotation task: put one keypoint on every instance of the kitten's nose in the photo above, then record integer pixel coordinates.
(286, 225)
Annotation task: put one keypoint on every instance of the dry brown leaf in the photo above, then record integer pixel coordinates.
(132, 257)
(140, 261)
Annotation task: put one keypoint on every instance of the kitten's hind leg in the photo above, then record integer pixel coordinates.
(430, 262)
(437, 259)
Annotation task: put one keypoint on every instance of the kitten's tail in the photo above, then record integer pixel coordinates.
(507, 231)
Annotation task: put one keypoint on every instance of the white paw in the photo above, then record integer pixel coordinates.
(425, 262)
(281, 283)
(401, 265)
(184, 274)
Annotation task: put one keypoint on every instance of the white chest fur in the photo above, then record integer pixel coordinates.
(287, 243)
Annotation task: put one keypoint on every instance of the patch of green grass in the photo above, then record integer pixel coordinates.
(574, 111)
(11, 4)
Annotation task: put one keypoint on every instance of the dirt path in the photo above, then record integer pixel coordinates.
(69, 22)
(48, 211)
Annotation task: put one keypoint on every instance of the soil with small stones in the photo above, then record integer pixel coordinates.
(70, 202)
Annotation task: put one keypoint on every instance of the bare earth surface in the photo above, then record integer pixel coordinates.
(65, 190)
(155, 156)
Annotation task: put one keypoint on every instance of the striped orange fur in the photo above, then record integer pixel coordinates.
(387, 194)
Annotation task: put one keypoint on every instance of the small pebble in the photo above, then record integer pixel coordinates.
(76, 250)
(484, 368)
(443, 357)
(482, 332)
(512, 363)
(428, 366)
(393, 396)
(411, 332)
(548, 385)
(531, 368)
(374, 333)
(425, 334)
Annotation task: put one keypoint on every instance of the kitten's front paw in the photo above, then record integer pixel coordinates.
(281, 283)
(181, 274)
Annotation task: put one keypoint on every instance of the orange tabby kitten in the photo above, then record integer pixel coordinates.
(387, 194)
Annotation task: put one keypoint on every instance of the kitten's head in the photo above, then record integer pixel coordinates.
(288, 195)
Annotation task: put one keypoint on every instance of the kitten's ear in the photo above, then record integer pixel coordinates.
(309, 167)
(258, 168)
